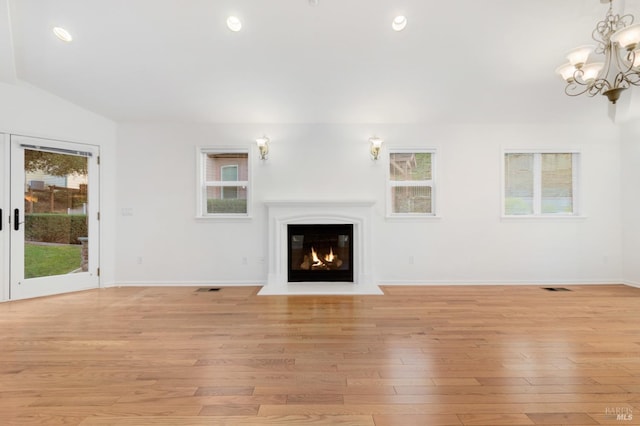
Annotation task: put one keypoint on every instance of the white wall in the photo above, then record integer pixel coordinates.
(28, 111)
(630, 183)
(162, 243)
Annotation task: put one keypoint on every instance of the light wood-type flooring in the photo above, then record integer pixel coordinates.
(457, 355)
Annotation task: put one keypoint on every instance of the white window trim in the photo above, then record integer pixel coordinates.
(202, 183)
(432, 183)
(537, 182)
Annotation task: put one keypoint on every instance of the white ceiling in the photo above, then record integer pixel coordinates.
(337, 62)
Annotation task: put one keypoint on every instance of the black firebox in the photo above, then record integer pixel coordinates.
(320, 253)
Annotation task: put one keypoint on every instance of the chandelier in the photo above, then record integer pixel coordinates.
(618, 40)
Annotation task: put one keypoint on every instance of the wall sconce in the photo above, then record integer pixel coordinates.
(374, 149)
(263, 147)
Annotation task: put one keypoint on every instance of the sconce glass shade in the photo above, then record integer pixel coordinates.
(263, 147)
(627, 37)
(578, 56)
(374, 149)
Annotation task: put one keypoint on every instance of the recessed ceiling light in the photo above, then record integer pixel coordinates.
(62, 34)
(234, 24)
(399, 23)
(313, 2)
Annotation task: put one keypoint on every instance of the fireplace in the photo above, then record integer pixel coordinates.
(320, 253)
(356, 215)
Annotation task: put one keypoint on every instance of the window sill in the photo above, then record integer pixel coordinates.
(412, 218)
(541, 217)
(224, 218)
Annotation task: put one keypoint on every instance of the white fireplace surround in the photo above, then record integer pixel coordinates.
(280, 214)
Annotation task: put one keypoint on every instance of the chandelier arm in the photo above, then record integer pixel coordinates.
(632, 74)
(576, 89)
(599, 85)
(624, 21)
(626, 64)
(620, 81)
(600, 35)
(608, 62)
(634, 79)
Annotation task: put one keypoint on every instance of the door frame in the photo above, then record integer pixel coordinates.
(5, 233)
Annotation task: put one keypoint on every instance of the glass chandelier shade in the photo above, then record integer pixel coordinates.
(618, 40)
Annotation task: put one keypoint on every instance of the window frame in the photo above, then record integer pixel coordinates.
(202, 184)
(432, 183)
(576, 157)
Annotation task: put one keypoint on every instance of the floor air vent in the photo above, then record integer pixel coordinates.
(555, 289)
(208, 289)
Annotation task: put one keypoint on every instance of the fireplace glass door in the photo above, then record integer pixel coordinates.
(320, 253)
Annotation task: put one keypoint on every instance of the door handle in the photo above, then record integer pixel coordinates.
(16, 219)
(1, 220)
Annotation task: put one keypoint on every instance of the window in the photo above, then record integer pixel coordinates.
(410, 183)
(540, 184)
(224, 182)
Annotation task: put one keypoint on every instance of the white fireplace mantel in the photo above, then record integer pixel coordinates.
(282, 213)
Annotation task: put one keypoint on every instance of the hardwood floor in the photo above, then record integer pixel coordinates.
(463, 355)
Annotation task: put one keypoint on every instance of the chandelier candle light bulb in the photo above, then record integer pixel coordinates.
(566, 71)
(591, 71)
(627, 37)
(636, 59)
(578, 56)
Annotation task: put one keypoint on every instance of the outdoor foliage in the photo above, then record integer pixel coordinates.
(422, 170)
(55, 228)
(54, 164)
(226, 206)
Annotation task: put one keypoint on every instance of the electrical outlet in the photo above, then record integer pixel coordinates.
(245, 261)
(410, 260)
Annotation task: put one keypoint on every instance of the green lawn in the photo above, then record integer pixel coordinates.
(47, 260)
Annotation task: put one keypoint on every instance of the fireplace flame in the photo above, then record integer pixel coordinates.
(323, 262)
(330, 257)
(315, 259)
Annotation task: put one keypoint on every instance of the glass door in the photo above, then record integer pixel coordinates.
(54, 217)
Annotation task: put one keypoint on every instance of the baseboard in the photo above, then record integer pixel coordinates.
(498, 282)
(227, 283)
(631, 283)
